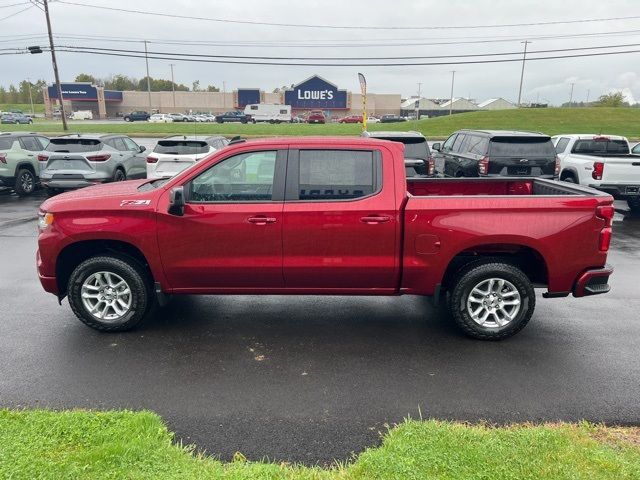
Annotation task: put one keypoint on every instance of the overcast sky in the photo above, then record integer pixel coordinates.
(548, 80)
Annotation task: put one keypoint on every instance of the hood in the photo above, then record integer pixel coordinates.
(98, 197)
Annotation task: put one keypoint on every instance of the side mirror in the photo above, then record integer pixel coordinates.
(142, 148)
(176, 201)
(437, 147)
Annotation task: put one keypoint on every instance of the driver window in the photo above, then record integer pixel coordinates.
(242, 178)
(449, 143)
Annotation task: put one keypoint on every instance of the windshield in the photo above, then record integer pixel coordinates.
(601, 146)
(522, 147)
(74, 145)
(181, 147)
(413, 147)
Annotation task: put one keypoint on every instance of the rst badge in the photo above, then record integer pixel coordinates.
(134, 203)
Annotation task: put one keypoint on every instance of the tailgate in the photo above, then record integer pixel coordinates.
(173, 164)
(69, 163)
(522, 166)
(623, 170)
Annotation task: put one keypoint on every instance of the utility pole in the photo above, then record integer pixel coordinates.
(31, 97)
(588, 92)
(173, 85)
(571, 94)
(224, 95)
(453, 77)
(418, 102)
(524, 59)
(55, 66)
(146, 59)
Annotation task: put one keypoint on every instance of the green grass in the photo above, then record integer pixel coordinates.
(25, 107)
(78, 444)
(616, 121)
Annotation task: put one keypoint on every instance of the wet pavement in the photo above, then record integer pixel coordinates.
(313, 379)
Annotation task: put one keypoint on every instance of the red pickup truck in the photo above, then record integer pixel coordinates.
(332, 216)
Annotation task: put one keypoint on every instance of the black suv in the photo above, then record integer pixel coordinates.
(417, 156)
(474, 153)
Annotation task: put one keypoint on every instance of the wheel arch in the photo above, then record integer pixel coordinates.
(566, 171)
(75, 253)
(526, 258)
(28, 166)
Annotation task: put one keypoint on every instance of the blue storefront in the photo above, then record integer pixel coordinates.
(85, 96)
(316, 93)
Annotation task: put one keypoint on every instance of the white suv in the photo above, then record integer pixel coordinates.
(172, 155)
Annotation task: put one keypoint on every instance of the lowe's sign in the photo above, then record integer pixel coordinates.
(316, 93)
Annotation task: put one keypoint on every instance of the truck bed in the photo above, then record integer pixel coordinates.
(430, 187)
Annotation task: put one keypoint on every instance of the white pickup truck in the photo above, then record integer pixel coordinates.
(603, 162)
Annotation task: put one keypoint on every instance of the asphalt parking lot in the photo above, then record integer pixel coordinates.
(312, 379)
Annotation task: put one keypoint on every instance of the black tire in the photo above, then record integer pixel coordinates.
(131, 272)
(25, 182)
(119, 175)
(473, 275)
(127, 119)
(634, 205)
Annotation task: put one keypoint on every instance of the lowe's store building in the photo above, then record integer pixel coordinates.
(314, 93)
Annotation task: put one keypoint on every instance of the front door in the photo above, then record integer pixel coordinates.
(340, 224)
(230, 236)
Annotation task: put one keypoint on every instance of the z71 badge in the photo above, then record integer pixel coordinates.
(134, 203)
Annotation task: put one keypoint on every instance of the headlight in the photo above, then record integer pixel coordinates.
(44, 220)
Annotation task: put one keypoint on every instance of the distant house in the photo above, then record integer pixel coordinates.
(496, 104)
(459, 105)
(426, 107)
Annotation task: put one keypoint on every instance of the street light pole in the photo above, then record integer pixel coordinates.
(453, 77)
(588, 92)
(173, 85)
(524, 59)
(146, 59)
(31, 97)
(571, 94)
(418, 102)
(55, 66)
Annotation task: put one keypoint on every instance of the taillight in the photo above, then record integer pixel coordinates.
(598, 170)
(42, 158)
(556, 172)
(3, 158)
(605, 213)
(431, 166)
(99, 158)
(152, 159)
(483, 166)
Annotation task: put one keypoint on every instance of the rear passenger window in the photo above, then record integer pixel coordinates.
(31, 144)
(336, 174)
(478, 145)
(561, 146)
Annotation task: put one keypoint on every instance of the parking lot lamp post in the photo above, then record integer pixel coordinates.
(146, 59)
(571, 94)
(31, 97)
(45, 3)
(173, 85)
(453, 77)
(524, 59)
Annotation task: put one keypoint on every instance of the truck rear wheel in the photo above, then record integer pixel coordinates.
(491, 301)
(110, 294)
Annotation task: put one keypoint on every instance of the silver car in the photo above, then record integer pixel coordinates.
(76, 161)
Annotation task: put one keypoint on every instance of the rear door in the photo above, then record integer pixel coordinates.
(522, 156)
(137, 164)
(340, 221)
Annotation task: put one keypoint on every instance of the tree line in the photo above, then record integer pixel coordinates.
(20, 94)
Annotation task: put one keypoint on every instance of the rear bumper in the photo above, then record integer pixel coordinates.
(593, 282)
(619, 191)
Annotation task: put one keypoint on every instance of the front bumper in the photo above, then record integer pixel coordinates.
(50, 284)
(619, 191)
(593, 282)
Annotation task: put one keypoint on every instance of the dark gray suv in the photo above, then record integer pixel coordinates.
(474, 153)
(76, 161)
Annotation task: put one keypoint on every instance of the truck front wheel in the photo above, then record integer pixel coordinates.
(109, 293)
(492, 301)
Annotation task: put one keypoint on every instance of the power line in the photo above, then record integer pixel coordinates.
(344, 27)
(246, 62)
(14, 4)
(252, 57)
(16, 13)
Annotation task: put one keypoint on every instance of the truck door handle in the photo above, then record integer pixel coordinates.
(261, 220)
(370, 219)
